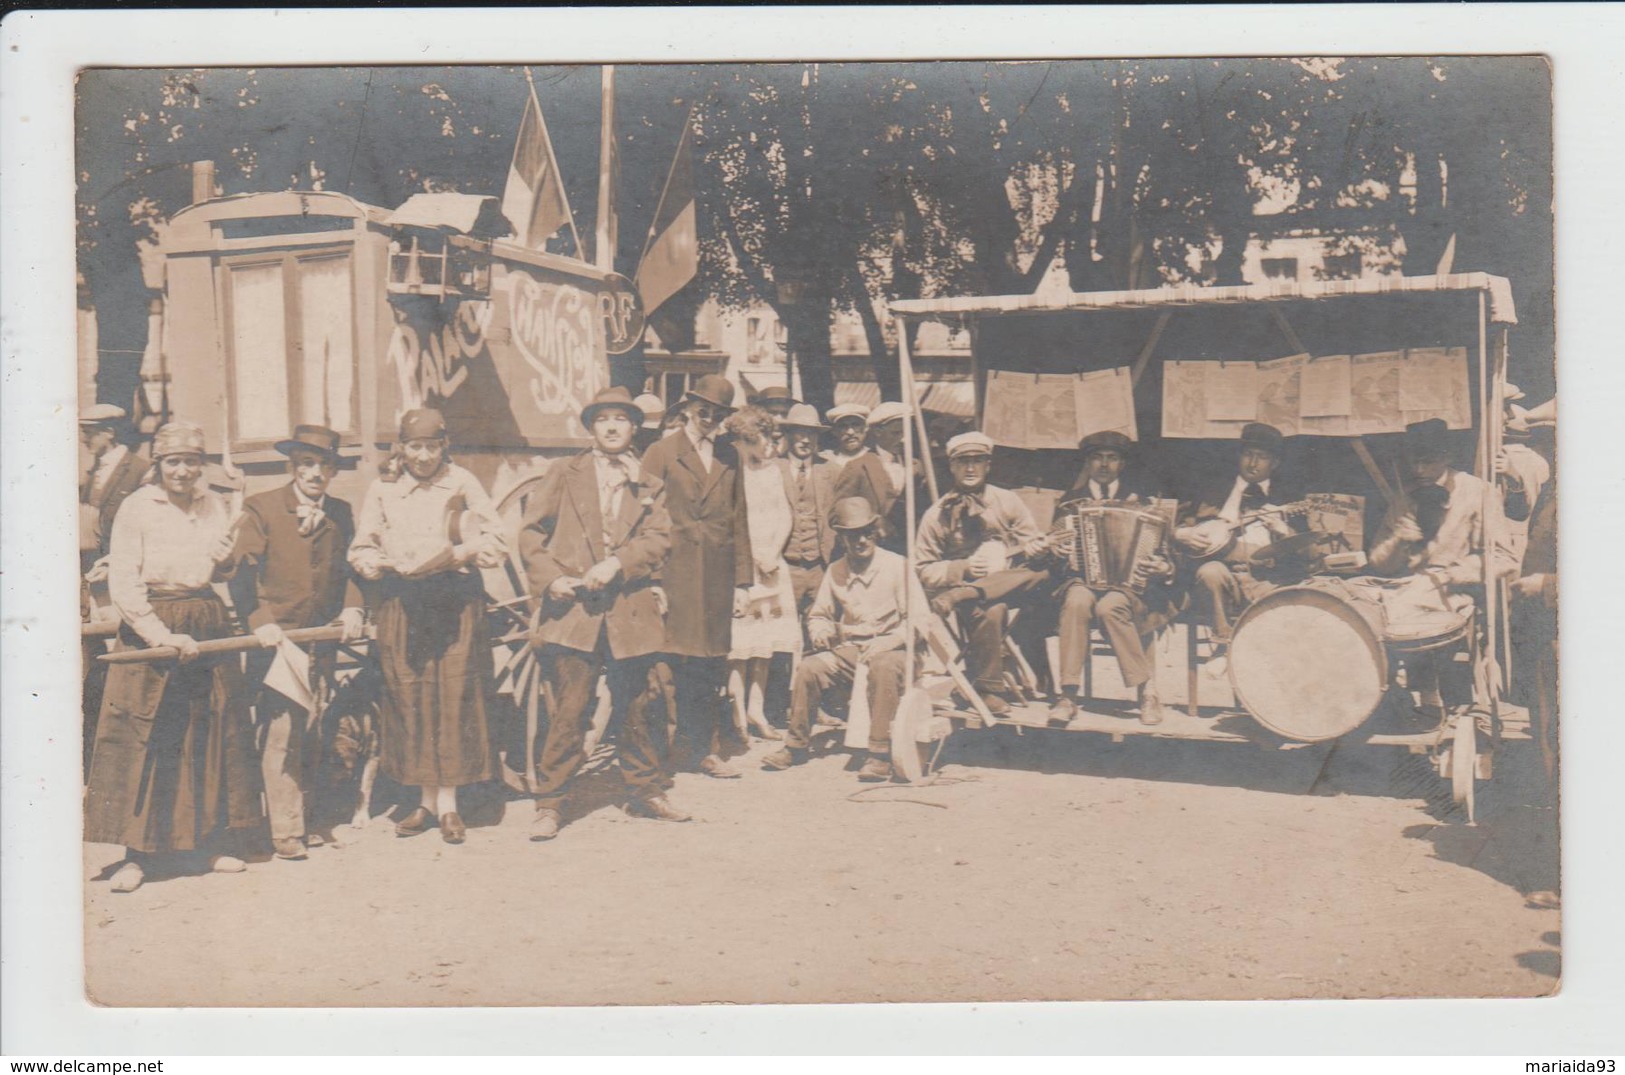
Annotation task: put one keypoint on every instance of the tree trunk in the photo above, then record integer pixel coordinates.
(807, 326)
(881, 357)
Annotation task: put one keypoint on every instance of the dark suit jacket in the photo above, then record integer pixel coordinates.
(564, 536)
(866, 476)
(104, 503)
(823, 495)
(710, 544)
(290, 579)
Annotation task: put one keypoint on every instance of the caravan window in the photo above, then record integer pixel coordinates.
(292, 344)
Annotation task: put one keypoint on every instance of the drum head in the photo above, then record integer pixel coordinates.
(1307, 665)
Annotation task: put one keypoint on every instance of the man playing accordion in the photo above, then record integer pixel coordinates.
(1126, 617)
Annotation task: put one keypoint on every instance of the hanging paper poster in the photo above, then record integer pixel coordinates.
(1374, 392)
(1052, 417)
(1433, 384)
(1184, 414)
(1009, 398)
(1279, 389)
(1104, 400)
(1325, 389)
(1231, 391)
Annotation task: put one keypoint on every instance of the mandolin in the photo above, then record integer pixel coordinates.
(1213, 538)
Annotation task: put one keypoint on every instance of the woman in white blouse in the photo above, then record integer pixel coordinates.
(765, 622)
(421, 534)
(173, 766)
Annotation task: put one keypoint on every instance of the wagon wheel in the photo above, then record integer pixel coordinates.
(1464, 763)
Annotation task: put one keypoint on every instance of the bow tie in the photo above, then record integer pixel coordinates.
(310, 517)
(1253, 497)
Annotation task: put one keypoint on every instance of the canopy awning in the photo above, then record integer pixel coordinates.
(954, 398)
(1501, 309)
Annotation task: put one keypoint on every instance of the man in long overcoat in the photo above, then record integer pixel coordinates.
(593, 543)
(710, 567)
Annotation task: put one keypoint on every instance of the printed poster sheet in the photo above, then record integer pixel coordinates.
(1433, 384)
(1279, 390)
(1231, 391)
(1055, 411)
(1326, 389)
(1374, 380)
(1104, 400)
(1184, 403)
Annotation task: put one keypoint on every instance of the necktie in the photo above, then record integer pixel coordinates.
(310, 517)
(1253, 497)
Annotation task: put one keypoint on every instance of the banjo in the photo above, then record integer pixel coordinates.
(1212, 538)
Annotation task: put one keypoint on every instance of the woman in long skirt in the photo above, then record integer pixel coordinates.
(767, 623)
(420, 537)
(173, 767)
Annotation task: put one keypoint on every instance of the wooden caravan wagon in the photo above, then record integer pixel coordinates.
(308, 306)
(1340, 367)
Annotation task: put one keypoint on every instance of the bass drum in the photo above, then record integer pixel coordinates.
(1308, 664)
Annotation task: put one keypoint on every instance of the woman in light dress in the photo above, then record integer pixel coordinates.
(765, 623)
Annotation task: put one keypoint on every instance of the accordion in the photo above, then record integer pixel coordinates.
(1108, 541)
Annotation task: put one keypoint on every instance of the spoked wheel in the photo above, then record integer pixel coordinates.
(1464, 763)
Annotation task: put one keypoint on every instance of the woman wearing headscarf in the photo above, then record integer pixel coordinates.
(423, 531)
(173, 766)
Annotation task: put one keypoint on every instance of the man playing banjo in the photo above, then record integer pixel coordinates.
(1232, 519)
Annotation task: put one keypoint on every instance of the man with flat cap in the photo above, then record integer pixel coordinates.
(810, 483)
(594, 540)
(849, 430)
(1230, 520)
(858, 618)
(292, 573)
(776, 400)
(877, 475)
(710, 569)
(980, 556)
(1126, 618)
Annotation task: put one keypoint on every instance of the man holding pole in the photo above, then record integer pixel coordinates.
(292, 573)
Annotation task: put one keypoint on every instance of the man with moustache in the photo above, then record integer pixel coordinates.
(878, 476)
(849, 429)
(292, 573)
(710, 570)
(593, 543)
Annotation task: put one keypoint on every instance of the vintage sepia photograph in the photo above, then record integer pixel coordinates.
(818, 532)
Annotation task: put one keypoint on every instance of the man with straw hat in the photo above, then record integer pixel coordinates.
(594, 540)
(292, 573)
(710, 570)
(653, 424)
(858, 618)
(849, 428)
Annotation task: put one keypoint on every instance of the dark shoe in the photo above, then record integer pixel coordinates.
(945, 602)
(1062, 712)
(414, 824)
(784, 758)
(451, 828)
(718, 769)
(545, 825)
(657, 807)
(289, 847)
(876, 770)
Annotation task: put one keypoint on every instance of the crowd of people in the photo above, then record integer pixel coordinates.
(690, 559)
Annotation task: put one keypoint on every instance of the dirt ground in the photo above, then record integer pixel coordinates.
(1046, 866)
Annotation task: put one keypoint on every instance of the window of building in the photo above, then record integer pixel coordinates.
(292, 337)
(1279, 268)
(1341, 266)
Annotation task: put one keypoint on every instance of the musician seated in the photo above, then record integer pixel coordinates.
(1232, 519)
(978, 552)
(1126, 618)
(1438, 530)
